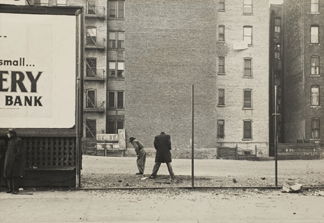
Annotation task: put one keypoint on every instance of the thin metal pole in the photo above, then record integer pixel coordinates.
(192, 137)
(275, 137)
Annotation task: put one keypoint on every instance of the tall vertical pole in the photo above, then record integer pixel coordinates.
(275, 136)
(192, 136)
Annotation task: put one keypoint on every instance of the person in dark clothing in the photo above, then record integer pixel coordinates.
(141, 155)
(162, 144)
(14, 162)
(2, 158)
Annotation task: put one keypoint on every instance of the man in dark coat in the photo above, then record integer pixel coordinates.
(2, 158)
(14, 162)
(162, 144)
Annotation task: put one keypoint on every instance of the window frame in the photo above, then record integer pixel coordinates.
(314, 57)
(221, 3)
(221, 100)
(116, 100)
(221, 35)
(90, 130)
(244, 99)
(220, 129)
(221, 65)
(277, 27)
(89, 7)
(277, 51)
(246, 68)
(115, 44)
(316, 128)
(116, 9)
(312, 40)
(248, 27)
(91, 37)
(314, 4)
(116, 69)
(115, 122)
(315, 97)
(250, 6)
(91, 68)
(87, 97)
(244, 130)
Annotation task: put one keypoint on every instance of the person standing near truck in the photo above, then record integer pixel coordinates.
(141, 155)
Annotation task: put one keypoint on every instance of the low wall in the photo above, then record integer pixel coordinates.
(299, 151)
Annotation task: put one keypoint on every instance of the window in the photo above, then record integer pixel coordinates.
(91, 36)
(247, 7)
(90, 127)
(116, 9)
(221, 33)
(247, 98)
(221, 65)
(220, 129)
(315, 96)
(315, 65)
(221, 5)
(277, 27)
(314, 6)
(247, 129)
(221, 96)
(91, 99)
(247, 67)
(116, 40)
(116, 100)
(314, 34)
(315, 128)
(91, 70)
(114, 125)
(277, 51)
(247, 34)
(116, 68)
(91, 7)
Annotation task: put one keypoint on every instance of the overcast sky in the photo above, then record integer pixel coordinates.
(275, 1)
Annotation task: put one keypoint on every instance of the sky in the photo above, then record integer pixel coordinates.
(275, 1)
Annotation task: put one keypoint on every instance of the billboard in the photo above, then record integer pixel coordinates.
(37, 71)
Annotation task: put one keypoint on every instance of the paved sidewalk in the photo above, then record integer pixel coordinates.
(160, 205)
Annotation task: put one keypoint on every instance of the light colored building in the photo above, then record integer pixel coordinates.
(243, 74)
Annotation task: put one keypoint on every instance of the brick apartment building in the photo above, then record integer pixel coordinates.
(243, 74)
(142, 58)
(303, 23)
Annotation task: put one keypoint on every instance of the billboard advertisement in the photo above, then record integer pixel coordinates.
(37, 71)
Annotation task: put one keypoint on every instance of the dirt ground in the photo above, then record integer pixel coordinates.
(119, 172)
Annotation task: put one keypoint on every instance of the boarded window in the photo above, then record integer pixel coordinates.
(90, 128)
(91, 64)
(91, 99)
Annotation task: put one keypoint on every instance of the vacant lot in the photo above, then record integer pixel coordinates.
(103, 172)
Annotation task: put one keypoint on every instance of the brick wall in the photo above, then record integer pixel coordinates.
(298, 80)
(170, 46)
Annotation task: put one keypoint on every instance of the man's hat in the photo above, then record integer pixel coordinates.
(131, 139)
(11, 130)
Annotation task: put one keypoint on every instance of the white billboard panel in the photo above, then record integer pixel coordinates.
(37, 71)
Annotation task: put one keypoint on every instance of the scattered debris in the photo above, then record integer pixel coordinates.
(291, 187)
(120, 181)
(234, 180)
(262, 178)
(319, 193)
